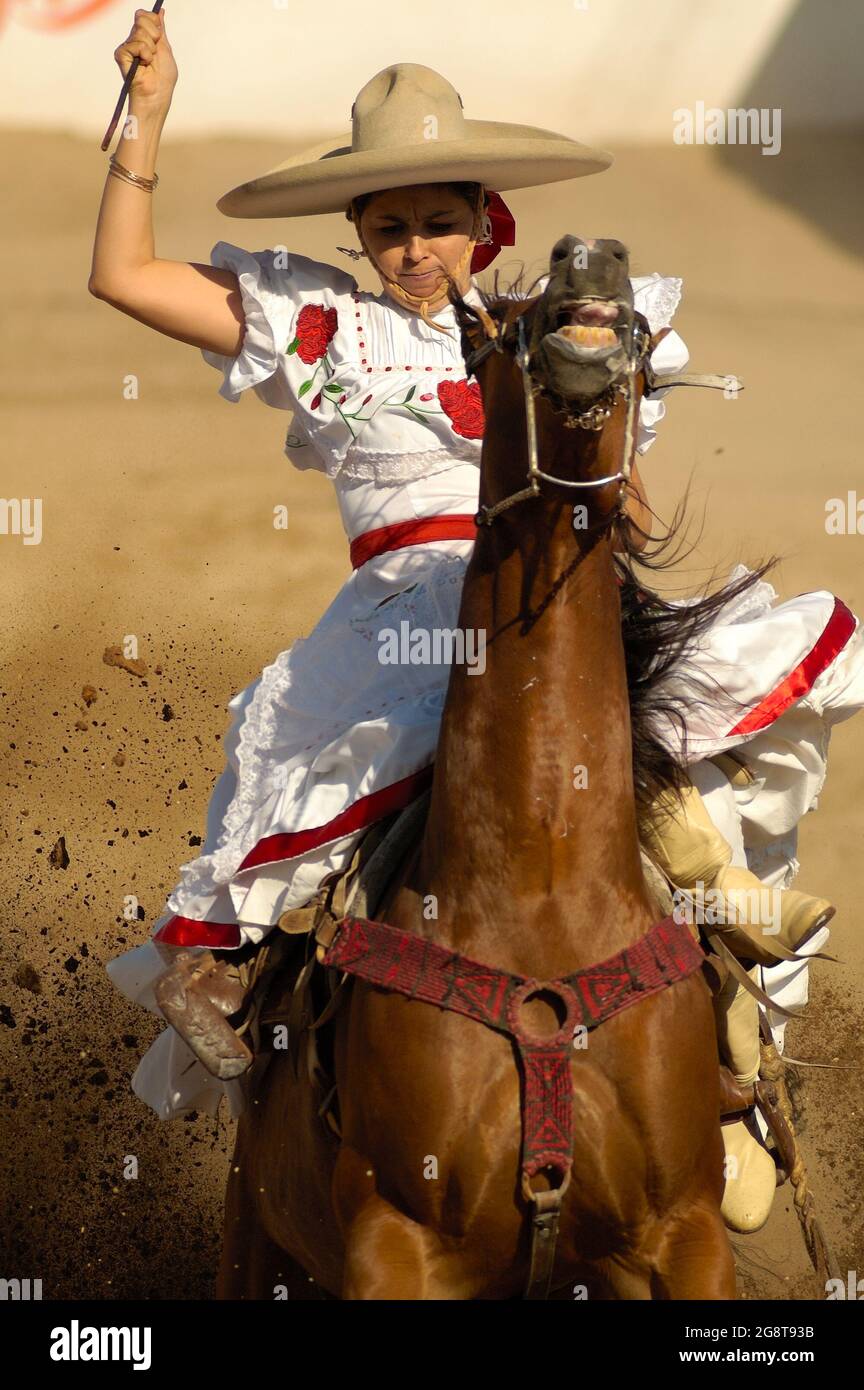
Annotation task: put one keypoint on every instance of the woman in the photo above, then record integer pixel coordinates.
(329, 738)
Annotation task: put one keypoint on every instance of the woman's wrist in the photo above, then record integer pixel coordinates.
(138, 147)
(147, 116)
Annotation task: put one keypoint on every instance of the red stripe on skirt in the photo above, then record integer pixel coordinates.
(833, 638)
(186, 931)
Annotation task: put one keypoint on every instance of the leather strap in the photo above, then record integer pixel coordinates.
(714, 380)
(545, 1220)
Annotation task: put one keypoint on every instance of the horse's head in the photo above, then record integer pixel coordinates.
(581, 333)
(580, 350)
(582, 323)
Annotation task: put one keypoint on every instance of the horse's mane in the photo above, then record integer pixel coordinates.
(665, 687)
(656, 631)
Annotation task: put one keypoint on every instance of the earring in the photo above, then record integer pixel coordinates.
(485, 238)
(349, 251)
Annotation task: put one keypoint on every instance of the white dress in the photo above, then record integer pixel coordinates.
(328, 739)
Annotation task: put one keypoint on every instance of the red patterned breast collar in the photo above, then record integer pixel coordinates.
(419, 969)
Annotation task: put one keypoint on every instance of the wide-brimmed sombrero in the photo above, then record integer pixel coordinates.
(408, 127)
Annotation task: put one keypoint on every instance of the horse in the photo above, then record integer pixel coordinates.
(530, 858)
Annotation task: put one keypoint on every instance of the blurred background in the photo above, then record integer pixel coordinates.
(157, 512)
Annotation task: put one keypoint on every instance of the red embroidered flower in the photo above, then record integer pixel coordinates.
(462, 401)
(317, 401)
(316, 327)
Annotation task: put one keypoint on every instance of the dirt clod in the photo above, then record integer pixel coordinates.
(113, 656)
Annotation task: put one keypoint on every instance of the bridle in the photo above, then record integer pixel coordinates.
(593, 418)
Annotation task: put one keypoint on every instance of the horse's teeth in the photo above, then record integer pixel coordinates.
(589, 335)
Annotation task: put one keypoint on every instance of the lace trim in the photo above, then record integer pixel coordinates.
(752, 602)
(382, 466)
(401, 469)
(660, 299)
(377, 465)
(460, 449)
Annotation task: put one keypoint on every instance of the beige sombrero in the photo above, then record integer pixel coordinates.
(408, 127)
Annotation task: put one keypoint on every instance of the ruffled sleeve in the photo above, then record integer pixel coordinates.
(273, 285)
(657, 297)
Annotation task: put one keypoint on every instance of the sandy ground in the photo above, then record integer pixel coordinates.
(157, 522)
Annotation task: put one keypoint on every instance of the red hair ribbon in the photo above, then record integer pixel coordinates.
(503, 233)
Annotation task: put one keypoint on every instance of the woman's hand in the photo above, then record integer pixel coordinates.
(154, 82)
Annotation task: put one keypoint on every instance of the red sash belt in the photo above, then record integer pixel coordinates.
(459, 527)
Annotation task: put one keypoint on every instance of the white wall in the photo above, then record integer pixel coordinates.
(602, 70)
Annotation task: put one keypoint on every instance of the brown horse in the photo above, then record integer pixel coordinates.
(530, 858)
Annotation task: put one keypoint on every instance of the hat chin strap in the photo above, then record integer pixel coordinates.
(417, 302)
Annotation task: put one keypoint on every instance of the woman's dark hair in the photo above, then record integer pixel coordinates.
(468, 191)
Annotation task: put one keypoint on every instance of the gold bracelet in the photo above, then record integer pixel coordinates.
(138, 179)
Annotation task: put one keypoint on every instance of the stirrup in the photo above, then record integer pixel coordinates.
(201, 1019)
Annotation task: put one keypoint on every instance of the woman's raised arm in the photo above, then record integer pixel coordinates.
(198, 304)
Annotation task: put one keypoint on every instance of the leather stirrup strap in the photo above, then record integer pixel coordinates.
(736, 968)
(769, 946)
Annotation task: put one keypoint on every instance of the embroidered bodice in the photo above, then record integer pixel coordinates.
(376, 394)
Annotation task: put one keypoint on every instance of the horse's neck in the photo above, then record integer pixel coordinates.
(532, 817)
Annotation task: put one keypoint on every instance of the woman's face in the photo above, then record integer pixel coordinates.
(417, 233)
